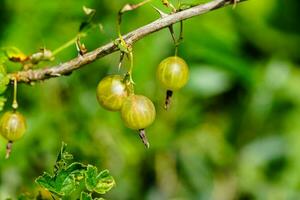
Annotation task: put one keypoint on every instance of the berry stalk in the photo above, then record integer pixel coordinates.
(8, 149)
(169, 95)
(143, 136)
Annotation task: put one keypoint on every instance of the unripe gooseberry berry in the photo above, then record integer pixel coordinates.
(138, 112)
(111, 92)
(12, 128)
(173, 74)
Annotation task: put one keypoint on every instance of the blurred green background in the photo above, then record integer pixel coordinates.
(232, 133)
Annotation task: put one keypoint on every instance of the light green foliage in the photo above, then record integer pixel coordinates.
(3, 58)
(68, 177)
(14, 54)
(2, 102)
(100, 183)
(4, 80)
(87, 196)
(64, 182)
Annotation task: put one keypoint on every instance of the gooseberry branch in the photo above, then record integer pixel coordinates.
(66, 68)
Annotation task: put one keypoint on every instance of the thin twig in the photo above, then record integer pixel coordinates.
(130, 38)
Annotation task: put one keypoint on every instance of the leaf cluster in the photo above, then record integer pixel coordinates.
(68, 177)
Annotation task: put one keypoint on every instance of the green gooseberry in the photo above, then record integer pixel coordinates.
(12, 126)
(138, 112)
(173, 74)
(111, 92)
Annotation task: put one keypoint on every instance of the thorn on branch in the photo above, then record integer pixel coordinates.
(130, 7)
(161, 13)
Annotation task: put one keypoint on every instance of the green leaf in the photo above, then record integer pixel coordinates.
(88, 11)
(3, 57)
(91, 177)
(65, 181)
(62, 158)
(100, 183)
(4, 80)
(85, 196)
(69, 177)
(14, 54)
(2, 102)
(88, 196)
(2, 69)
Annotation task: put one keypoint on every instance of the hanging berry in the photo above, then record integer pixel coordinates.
(173, 74)
(111, 92)
(138, 112)
(12, 128)
(12, 123)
